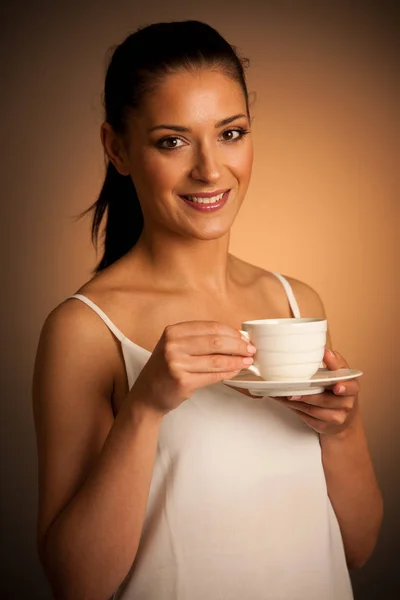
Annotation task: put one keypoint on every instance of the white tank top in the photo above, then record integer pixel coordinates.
(238, 506)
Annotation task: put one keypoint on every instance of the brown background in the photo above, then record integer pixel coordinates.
(321, 206)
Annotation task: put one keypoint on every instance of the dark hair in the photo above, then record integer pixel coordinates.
(134, 69)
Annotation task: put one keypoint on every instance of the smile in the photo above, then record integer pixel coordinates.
(204, 200)
(207, 202)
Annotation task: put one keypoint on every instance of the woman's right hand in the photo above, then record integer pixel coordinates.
(189, 356)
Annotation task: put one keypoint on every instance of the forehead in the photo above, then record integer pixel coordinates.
(199, 96)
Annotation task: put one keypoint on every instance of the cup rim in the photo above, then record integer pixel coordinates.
(293, 321)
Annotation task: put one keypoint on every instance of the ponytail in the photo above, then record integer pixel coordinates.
(124, 221)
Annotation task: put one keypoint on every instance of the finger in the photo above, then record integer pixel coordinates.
(350, 387)
(334, 360)
(328, 415)
(199, 380)
(322, 401)
(197, 345)
(189, 328)
(327, 400)
(316, 424)
(214, 363)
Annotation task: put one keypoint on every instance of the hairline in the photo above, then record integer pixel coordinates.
(192, 67)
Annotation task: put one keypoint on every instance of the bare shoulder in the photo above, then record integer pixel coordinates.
(114, 287)
(271, 288)
(309, 302)
(308, 299)
(72, 322)
(74, 340)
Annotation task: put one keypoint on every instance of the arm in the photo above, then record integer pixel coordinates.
(351, 482)
(353, 489)
(94, 472)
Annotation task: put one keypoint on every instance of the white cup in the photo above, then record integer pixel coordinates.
(287, 349)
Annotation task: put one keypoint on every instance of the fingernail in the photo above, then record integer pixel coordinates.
(251, 348)
(340, 389)
(331, 353)
(248, 360)
(294, 397)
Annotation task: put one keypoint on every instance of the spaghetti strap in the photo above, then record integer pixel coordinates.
(118, 334)
(290, 295)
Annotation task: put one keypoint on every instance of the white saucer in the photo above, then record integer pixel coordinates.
(322, 379)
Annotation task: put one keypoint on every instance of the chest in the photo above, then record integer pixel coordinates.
(145, 320)
(147, 324)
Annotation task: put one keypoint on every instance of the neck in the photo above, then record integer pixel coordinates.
(179, 264)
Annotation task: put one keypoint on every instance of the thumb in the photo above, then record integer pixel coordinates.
(333, 360)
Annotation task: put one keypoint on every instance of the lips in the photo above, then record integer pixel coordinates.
(205, 194)
(204, 199)
(206, 202)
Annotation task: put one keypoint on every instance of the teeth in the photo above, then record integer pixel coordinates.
(211, 200)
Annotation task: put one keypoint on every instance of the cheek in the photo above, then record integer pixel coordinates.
(243, 163)
(155, 173)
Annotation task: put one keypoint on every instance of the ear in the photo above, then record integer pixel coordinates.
(114, 148)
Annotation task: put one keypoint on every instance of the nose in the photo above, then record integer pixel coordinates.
(206, 167)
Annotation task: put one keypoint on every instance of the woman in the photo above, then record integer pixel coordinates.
(156, 480)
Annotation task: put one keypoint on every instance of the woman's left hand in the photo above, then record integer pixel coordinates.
(332, 411)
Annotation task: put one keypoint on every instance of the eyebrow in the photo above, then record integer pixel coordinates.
(181, 129)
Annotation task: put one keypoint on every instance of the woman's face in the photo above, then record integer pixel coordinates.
(189, 153)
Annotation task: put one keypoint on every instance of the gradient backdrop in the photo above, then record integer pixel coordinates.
(321, 206)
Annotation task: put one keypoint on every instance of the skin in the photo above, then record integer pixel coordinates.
(92, 430)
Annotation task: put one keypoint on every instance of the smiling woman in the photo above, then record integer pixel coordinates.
(195, 58)
(157, 480)
(187, 152)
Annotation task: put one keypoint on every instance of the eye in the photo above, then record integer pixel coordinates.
(231, 135)
(170, 143)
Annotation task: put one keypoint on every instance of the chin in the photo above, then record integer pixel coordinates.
(214, 229)
(211, 234)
